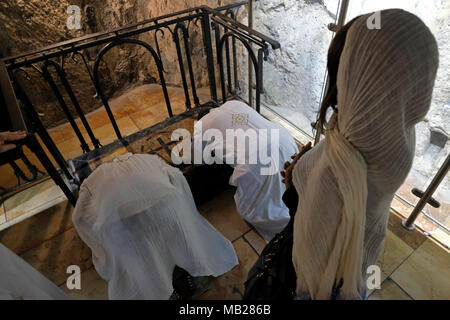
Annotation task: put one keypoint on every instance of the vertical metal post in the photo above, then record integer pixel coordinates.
(219, 53)
(176, 39)
(235, 65)
(207, 42)
(227, 55)
(250, 70)
(47, 76)
(108, 109)
(71, 94)
(343, 12)
(34, 145)
(443, 170)
(189, 62)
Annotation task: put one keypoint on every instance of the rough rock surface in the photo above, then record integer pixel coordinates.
(294, 75)
(296, 72)
(32, 24)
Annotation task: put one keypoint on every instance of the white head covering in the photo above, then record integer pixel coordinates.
(138, 216)
(347, 182)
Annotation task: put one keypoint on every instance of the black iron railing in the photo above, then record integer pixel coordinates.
(220, 21)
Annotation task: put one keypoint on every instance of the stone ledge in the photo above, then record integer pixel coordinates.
(41, 227)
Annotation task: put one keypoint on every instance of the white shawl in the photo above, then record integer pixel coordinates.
(347, 182)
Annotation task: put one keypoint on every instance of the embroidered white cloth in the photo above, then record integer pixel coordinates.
(259, 187)
(19, 280)
(347, 182)
(138, 216)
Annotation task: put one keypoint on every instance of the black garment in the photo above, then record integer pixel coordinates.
(273, 275)
(290, 199)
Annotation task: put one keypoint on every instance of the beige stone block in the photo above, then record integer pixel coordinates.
(221, 212)
(426, 273)
(53, 256)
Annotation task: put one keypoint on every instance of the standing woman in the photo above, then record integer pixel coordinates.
(381, 81)
(18, 280)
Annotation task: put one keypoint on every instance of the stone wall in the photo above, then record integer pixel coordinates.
(32, 24)
(433, 134)
(294, 75)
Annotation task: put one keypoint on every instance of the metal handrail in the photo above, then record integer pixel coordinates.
(442, 172)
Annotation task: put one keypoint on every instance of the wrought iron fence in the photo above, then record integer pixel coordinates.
(220, 21)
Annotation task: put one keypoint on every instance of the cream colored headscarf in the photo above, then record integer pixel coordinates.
(347, 182)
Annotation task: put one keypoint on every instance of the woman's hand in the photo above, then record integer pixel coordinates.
(10, 136)
(289, 166)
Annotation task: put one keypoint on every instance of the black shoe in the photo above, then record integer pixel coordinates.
(187, 286)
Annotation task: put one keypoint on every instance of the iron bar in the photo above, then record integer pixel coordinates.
(234, 53)
(38, 127)
(176, 39)
(72, 97)
(259, 79)
(155, 36)
(426, 214)
(343, 10)
(100, 38)
(47, 76)
(72, 48)
(250, 70)
(235, 65)
(244, 29)
(97, 81)
(18, 172)
(120, 36)
(252, 56)
(239, 32)
(219, 46)
(84, 62)
(228, 60)
(190, 68)
(442, 172)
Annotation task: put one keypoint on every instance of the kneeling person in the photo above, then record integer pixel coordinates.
(138, 216)
(256, 148)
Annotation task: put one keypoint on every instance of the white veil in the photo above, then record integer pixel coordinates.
(347, 182)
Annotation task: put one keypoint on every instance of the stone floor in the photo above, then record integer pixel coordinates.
(413, 266)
